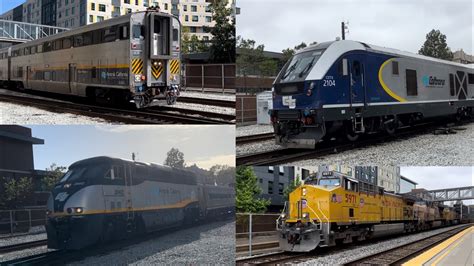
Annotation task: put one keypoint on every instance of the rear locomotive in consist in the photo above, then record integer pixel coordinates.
(336, 209)
(103, 199)
(132, 58)
(349, 88)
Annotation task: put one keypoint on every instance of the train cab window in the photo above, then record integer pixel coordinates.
(395, 68)
(411, 82)
(114, 173)
(175, 35)
(451, 84)
(67, 43)
(138, 32)
(329, 182)
(470, 78)
(78, 41)
(73, 174)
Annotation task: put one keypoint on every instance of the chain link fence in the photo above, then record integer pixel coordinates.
(21, 221)
(256, 232)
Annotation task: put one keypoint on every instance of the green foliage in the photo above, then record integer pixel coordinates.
(190, 43)
(13, 192)
(436, 46)
(222, 175)
(289, 52)
(175, 158)
(247, 192)
(222, 49)
(251, 60)
(55, 173)
(291, 186)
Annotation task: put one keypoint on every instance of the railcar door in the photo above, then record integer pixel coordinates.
(461, 85)
(72, 78)
(357, 80)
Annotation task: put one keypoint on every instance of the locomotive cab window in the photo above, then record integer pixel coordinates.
(411, 82)
(329, 182)
(356, 68)
(114, 173)
(470, 78)
(395, 68)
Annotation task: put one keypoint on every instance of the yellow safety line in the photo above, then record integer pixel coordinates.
(428, 255)
(385, 87)
(450, 249)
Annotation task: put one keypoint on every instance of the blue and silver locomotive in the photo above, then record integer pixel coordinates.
(103, 199)
(351, 88)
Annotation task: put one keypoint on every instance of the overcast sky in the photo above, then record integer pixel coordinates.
(203, 145)
(440, 177)
(401, 24)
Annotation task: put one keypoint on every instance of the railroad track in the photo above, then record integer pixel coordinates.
(47, 258)
(111, 114)
(271, 259)
(398, 255)
(254, 138)
(207, 101)
(282, 156)
(22, 246)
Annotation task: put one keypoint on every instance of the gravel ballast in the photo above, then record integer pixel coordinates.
(214, 96)
(361, 250)
(253, 130)
(212, 244)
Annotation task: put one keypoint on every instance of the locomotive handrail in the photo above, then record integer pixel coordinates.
(317, 216)
(319, 207)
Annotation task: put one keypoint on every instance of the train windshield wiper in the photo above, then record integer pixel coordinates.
(290, 69)
(307, 68)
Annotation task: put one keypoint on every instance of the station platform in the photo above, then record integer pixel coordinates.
(457, 250)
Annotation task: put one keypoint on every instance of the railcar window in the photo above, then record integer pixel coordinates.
(394, 67)
(40, 48)
(58, 45)
(470, 78)
(356, 66)
(124, 33)
(27, 50)
(47, 47)
(33, 50)
(411, 82)
(96, 36)
(67, 43)
(20, 52)
(110, 34)
(78, 41)
(157, 26)
(87, 38)
(451, 84)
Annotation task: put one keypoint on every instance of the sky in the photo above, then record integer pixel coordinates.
(6, 5)
(401, 24)
(203, 145)
(435, 177)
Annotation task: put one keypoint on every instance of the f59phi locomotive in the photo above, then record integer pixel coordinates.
(335, 209)
(102, 199)
(351, 88)
(135, 57)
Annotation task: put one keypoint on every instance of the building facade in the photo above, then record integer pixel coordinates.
(195, 15)
(407, 185)
(463, 58)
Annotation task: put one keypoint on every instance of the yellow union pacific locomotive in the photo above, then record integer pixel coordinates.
(335, 208)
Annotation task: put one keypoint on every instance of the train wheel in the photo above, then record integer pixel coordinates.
(390, 128)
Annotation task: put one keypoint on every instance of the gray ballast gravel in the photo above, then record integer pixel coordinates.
(207, 95)
(253, 130)
(361, 250)
(212, 244)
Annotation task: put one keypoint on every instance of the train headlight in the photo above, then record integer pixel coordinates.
(304, 191)
(283, 215)
(78, 210)
(305, 215)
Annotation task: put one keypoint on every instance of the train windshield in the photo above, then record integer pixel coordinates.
(299, 66)
(81, 173)
(333, 182)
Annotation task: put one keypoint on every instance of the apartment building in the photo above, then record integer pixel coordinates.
(193, 14)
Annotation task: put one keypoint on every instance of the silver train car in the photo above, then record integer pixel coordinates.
(102, 199)
(351, 88)
(132, 58)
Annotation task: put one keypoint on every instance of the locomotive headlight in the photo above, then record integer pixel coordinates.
(304, 191)
(282, 216)
(78, 210)
(305, 215)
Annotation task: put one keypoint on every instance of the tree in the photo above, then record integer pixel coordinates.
(222, 49)
(191, 43)
(436, 46)
(175, 158)
(55, 173)
(291, 186)
(247, 200)
(223, 175)
(14, 191)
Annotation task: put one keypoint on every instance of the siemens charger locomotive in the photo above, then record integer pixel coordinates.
(351, 88)
(135, 57)
(336, 209)
(102, 199)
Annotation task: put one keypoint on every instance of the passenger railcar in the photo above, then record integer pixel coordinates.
(135, 57)
(351, 88)
(336, 209)
(102, 199)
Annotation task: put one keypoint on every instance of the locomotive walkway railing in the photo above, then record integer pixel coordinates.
(20, 32)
